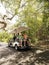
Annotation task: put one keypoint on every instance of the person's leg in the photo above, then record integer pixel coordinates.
(26, 43)
(22, 43)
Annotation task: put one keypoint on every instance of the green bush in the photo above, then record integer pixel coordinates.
(5, 36)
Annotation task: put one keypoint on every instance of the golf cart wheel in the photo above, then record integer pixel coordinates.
(16, 47)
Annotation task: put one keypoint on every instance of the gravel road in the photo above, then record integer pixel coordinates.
(10, 56)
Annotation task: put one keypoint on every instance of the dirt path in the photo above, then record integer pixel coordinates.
(10, 56)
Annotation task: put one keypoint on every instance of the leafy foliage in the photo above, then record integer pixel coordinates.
(34, 14)
(4, 36)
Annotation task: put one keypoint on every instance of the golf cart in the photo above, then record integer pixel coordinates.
(19, 45)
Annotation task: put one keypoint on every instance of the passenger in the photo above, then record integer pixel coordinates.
(19, 37)
(14, 37)
(25, 40)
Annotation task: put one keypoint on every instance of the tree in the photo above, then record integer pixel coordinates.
(45, 26)
(33, 13)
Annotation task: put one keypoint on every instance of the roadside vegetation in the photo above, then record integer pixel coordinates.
(31, 13)
(5, 36)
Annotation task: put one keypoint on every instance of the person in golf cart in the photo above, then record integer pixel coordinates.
(25, 41)
(19, 37)
(14, 37)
